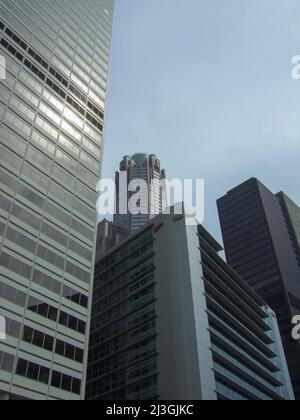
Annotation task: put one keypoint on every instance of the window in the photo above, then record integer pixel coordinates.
(65, 382)
(38, 338)
(71, 322)
(42, 309)
(6, 362)
(32, 371)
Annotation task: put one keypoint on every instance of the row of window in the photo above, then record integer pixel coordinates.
(124, 309)
(31, 244)
(216, 283)
(65, 382)
(89, 15)
(15, 265)
(242, 341)
(132, 278)
(87, 176)
(49, 27)
(33, 371)
(41, 374)
(126, 251)
(246, 352)
(241, 382)
(145, 389)
(29, 81)
(46, 254)
(123, 293)
(226, 354)
(126, 263)
(58, 50)
(56, 287)
(245, 329)
(56, 212)
(228, 392)
(214, 271)
(48, 230)
(69, 351)
(30, 115)
(71, 29)
(70, 321)
(43, 27)
(37, 338)
(46, 342)
(50, 35)
(219, 267)
(59, 77)
(45, 310)
(133, 301)
(66, 161)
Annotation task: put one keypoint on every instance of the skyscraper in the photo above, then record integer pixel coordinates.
(52, 106)
(261, 237)
(139, 167)
(172, 321)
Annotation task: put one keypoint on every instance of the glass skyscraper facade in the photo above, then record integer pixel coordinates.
(261, 237)
(52, 107)
(171, 320)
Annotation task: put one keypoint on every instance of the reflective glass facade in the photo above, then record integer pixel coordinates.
(122, 357)
(172, 321)
(52, 107)
(261, 233)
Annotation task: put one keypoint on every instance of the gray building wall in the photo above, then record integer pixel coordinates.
(185, 361)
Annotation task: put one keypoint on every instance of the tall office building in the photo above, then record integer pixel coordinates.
(172, 321)
(139, 167)
(261, 237)
(52, 106)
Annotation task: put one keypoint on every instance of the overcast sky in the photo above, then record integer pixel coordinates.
(206, 85)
